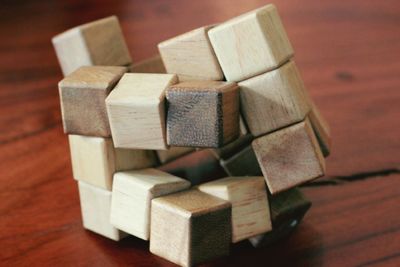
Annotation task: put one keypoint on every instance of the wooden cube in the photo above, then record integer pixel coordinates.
(191, 56)
(173, 153)
(273, 100)
(82, 96)
(321, 129)
(150, 65)
(248, 196)
(243, 163)
(136, 110)
(287, 210)
(190, 227)
(94, 159)
(100, 42)
(132, 194)
(289, 157)
(202, 113)
(95, 209)
(251, 44)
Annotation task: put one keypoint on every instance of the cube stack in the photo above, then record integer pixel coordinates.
(232, 88)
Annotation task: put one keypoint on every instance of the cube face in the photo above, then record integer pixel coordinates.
(92, 160)
(273, 100)
(95, 208)
(132, 194)
(250, 211)
(202, 114)
(289, 157)
(190, 227)
(97, 43)
(191, 56)
(136, 110)
(251, 44)
(82, 96)
(321, 129)
(243, 163)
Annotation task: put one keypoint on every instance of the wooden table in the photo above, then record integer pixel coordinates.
(349, 54)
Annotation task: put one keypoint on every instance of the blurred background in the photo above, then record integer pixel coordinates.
(349, 55)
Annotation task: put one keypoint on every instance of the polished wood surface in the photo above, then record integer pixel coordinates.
(348, 54)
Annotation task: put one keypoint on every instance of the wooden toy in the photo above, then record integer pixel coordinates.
(289, 157)
(242, 163)
(251, 44)
(82, 96)
(95, 209)
(96, 43)
(151, 65)
(190, 227)
(273, 100)
(173, 153)
(136, 110)
(202, 113)
(191, 56)
(321, 129)
(248, 195)
(95, 160)
(132, 194)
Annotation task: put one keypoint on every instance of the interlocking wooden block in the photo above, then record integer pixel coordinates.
(82, 96)
(321, 129)
(173, 153)
(251, 44)
(136, 110)
(289, 157)
(273, 100)
(202, 113)
(151, 65)
(242, 126)
(132, 194)
(94, 159)
(190, 227)
(232, 148)
(191, 56)
(95, 209)
(287, 210)
(96, 43)
(242, 163)
(248, 196)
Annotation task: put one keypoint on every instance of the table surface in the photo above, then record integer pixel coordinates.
(349, 55)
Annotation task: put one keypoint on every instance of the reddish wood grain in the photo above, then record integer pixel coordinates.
(348, 53)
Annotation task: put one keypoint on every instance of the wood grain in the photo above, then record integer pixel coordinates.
(347, 53)
(191, 56)
(82, 96)
(273, 100)
(190, 227)
(132, 194)
(250, 208)
(251, 44)
(95, 160)
(289, 157)
(218, 104)
(136, 110)
(95, 43)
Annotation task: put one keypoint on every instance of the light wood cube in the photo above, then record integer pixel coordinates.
(95, 209)
(191, 56)
(287, 210)
(248, 196)
(136, 110)
(202, 113)
(94, 159)
(273, 100)
(150, 65)
(132, 194)
(243, 163)
(173, 153)
(251, 44)
(190, 227)
(82, 96)
(100, 42)
(321, 129)
(289, 157)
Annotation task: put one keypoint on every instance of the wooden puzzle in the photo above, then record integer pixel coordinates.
(231, 89)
